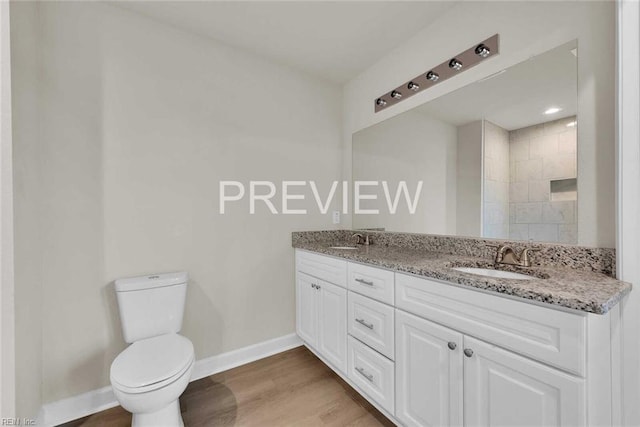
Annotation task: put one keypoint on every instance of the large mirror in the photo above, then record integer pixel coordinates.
(497, 158)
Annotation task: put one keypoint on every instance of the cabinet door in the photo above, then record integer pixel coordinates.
(504, 389)
(306, 308)
(332, 321)
(428, 373)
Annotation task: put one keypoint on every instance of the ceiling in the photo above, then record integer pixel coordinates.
(518, 96)
(333, 40)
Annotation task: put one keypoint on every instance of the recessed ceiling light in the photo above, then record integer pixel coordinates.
(552, 110)
(572, 124)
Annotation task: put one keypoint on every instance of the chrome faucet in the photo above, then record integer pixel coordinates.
(506, 255)
(362, 239)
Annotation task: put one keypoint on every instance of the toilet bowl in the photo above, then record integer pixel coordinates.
(150, 375)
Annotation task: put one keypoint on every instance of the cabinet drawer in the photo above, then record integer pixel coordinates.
(372, 323)
(323, 267)
(551, 336)
(372, 373)
(373, 282)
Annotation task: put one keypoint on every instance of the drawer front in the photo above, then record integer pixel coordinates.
(373, 282)
(323, 267)
(372, 323)
(551, 336)
(372, 373)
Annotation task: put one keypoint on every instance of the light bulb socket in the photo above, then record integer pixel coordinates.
(381, 102)
(432, 76)
(396, 95)
(482, 50)
(413, 86)
(455, 64)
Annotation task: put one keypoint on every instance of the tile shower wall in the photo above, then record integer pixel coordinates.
(495, 220)
(539, 154)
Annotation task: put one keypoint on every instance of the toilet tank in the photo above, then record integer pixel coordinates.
(151, 305)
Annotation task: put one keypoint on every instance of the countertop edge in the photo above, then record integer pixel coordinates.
(575, 304)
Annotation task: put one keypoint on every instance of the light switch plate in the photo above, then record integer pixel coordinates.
(336, 217)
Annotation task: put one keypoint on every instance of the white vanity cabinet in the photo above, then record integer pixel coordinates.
(429, 353)
(321, 313)
(428, 373)
(504, 389)
(440, 368)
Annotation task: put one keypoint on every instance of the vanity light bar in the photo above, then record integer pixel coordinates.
(449, 68)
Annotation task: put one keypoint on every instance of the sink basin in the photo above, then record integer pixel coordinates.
(493, 273)
(343, 247)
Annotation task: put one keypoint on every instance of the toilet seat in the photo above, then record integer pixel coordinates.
(153, 363)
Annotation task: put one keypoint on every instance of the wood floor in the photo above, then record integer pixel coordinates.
(293, 388)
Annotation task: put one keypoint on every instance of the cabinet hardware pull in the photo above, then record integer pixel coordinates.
(364, 374)
(364, 282)
(468, 352)
(365, 324)
(452, 345)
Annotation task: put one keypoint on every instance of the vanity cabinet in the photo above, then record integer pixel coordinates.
(438, 369)
(430, 353)
(321, 316)
(504, 389)
(428, 373)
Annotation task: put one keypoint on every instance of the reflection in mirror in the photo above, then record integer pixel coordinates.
(498, 157)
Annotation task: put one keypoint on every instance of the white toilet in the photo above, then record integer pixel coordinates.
(149, 376)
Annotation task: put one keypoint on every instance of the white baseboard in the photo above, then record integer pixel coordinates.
(75, 407)
(225, 361)
(84, 404)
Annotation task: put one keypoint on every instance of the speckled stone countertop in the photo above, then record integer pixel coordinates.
(578, 289)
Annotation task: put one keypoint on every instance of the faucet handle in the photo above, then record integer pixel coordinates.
(524, 256)
(363, 239)
(529, 250)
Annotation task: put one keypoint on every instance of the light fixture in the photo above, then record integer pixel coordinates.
(482, 50)
(552, 110)
(455, 64)
(572, 124)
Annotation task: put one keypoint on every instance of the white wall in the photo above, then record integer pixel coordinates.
(7, 289)
(28, 195)
(526, 29)
(625, 331)
(496, 181)
(139, 122)
(411, 147)
(469, 179)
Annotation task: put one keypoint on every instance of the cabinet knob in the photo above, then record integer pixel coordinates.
(452, 345)
(468, 352)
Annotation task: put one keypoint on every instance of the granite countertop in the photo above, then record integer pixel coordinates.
(582, 290)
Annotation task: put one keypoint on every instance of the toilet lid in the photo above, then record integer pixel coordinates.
(152, 360)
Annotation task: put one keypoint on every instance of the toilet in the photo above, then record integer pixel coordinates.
(149, 376)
